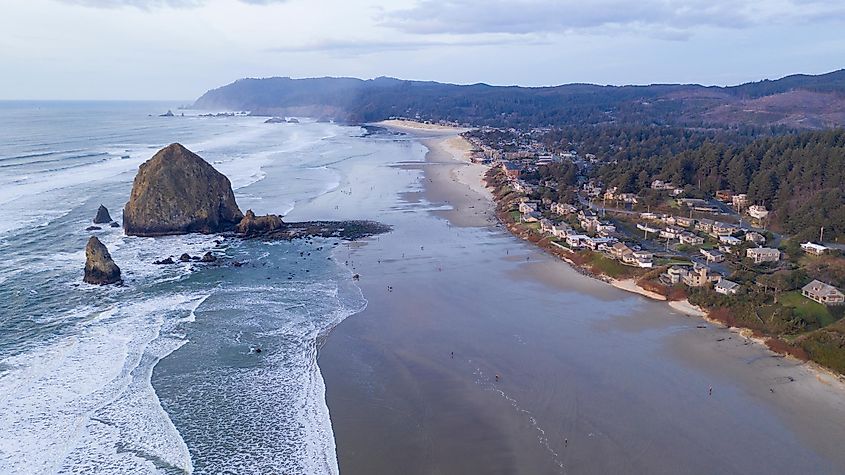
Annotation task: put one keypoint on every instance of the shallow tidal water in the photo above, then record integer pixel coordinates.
(161, 375)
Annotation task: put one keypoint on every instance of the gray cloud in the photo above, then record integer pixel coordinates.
(661, 18)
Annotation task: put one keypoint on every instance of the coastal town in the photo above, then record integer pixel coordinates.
(717, 252)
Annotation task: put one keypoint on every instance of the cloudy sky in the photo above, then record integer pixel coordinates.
(177, 49)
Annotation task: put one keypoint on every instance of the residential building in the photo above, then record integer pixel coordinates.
(691, 239)
(712, 255)
(704, 225)
(643, 259)
(606, 228)
(763, 254)
(628, 198)
(726, 287)
(740, 201)
(684, 222)
(563, 209)
(576, 240)
(723, 229)
(671, 232)
(725, 195)
(528, 207)
(730, 240)
(755, 237)
(698, 277)
(758, 211)
(822, 293)
(814, 249)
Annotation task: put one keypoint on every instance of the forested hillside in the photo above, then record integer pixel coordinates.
(806, 102)
(799, 176)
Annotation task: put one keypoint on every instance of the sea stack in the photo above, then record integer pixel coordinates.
(100, 269)
(103, 216)
(177, 192)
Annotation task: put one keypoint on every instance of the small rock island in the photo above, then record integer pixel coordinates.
(177, 192)
(100, 269)
(103, 216)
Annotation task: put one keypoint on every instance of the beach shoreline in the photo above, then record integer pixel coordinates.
(454, 301)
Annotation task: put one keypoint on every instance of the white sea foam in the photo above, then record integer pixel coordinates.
(85, 403)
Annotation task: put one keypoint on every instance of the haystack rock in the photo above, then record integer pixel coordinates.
(100, 269)
(103, 216)
(252, 225)
(177, 192)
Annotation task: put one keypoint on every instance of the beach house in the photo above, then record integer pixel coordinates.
(726, 287)
(822, 293)
(763, 254)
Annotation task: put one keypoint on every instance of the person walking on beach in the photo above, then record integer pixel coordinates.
(710, 391)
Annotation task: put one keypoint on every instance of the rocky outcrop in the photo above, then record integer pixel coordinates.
(103, 216)
(252, 225)
(100, 269)
(208, 257)
(177, 192)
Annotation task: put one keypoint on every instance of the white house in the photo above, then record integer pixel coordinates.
(726, 287)
(758, 211)
(822, 293)
(814, 249)
(763, 254)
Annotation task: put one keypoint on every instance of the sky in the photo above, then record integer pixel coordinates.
(178, 49)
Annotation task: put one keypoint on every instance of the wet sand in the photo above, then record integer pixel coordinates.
(592, 379)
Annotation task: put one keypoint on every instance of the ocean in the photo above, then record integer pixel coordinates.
(161, 375)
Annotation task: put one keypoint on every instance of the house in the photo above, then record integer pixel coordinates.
(576, 240)
(598, 243)
(619, 249)
(691, 239)
(606, 228)
(725, 195)
(671, 232)
(643, 259)
(723, 229)
(822, 293)
(740, 201)
(546, 225)
(628, 198)
(647, 228)
(674, 275)
(814, 249)
(684, 222)
(531, 217)
(648, 215)
(704, 225)
(590, 223)
(756, 238)
(563, 209)
(763, 254)
(698, 277)
(726, 287)
(758, 211)
(730, 240)
(661, 185)
(712, 255)
(561, 230)
(527, 207)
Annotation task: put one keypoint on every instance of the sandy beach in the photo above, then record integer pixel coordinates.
(480, 353)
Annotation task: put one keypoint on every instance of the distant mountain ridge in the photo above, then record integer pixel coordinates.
(797, 101)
